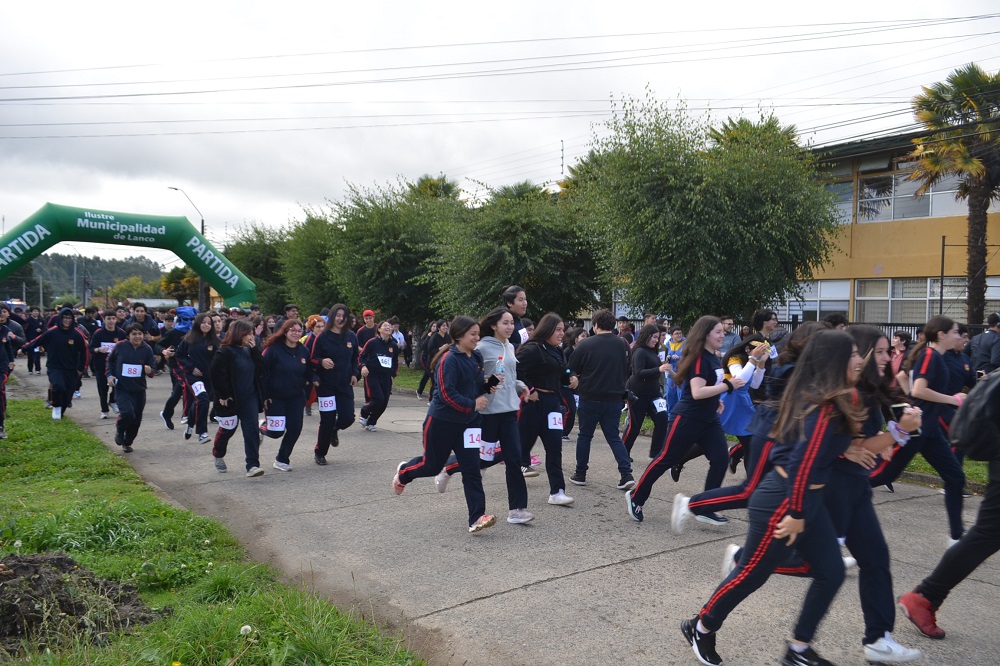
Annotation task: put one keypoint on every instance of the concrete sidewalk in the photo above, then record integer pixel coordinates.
(579, 585)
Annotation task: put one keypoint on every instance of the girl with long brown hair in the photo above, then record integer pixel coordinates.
(695, 417)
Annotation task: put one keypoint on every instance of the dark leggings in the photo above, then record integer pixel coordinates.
(440, 439)
(737, 497)
(936, 451)
(247, 412)
(980, 542)
(332, 422)
(682, 433)
(291, 409)
(763, 552)
(503, 429)
(533, 422)
(639, 408)
(378, 387)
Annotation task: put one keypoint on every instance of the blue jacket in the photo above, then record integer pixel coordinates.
(342, 348)
(458, 381)
(287, 371)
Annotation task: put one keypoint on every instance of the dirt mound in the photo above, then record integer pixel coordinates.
(47, 599)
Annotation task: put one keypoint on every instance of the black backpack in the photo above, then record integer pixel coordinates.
(975, 430)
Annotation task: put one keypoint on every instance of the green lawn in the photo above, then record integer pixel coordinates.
(62, 490)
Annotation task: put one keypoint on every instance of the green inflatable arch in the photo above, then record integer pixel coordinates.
(52, 224)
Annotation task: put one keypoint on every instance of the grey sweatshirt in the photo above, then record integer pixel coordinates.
(506, 398)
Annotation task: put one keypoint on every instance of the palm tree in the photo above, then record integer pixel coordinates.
(962, 115)
(436, 188)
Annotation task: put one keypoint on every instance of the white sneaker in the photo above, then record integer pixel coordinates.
(76, 394)
(184, 419)
(284, 467)
(849, 562)
(887, 651)
(104, 415)
(680, 513)
(951, 542)
(363, 421)
(255, 471)
(441, 481)
(203, 437)
(729, 560)
(561, 499)
(114, 407)
(57, 413)
(519, 516)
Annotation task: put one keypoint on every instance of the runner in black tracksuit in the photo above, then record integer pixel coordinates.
(237, 376)
(194, 356)
(288, 374)
(453, 421)
(167, 345)
(128, 364)
(379, 360)
(102, 342)
(695, 418)
(66, 358)
(645, 395)
(334, 355)
(818, 420)
(33, 327)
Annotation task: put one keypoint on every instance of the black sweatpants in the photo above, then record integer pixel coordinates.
(247, 412)
(130, 407)
(378, 388)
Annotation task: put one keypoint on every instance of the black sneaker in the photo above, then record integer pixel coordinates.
(735, 456)
(889, 487)
(578, 479)
(166, 421)
(335, 439)
(119, 440)
(626, 482)
(702, 644)
(807, 657)
(675, 472)
(127, 449)
(320, 460)
(634, 509)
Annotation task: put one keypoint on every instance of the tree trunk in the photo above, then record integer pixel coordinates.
(979, 202)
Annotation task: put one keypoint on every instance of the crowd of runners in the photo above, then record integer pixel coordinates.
(817, 417)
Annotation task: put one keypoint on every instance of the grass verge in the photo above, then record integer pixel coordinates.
(62, 490)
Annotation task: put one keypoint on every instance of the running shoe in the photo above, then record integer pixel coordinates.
(482, 523)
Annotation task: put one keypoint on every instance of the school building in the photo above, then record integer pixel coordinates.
(888, 263)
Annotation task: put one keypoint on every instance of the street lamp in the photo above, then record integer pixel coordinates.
(202, 287)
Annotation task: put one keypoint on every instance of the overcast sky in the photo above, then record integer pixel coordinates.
(259, 109)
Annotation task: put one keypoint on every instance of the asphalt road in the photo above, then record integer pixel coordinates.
(579, 585)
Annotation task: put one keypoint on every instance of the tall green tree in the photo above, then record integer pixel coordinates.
(701, 221)
(530, 240)
(255, 249)
(962, 114)
(180, 282)
(382, 241)
(305, 268)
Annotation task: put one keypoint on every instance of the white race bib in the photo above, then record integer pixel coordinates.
(228, 422)
(106, 347)
(473, 438)
(720, 374)
(327, 404)
(385, 361)
(663, 356)
(555, 421)
(198, 388)
(524, 335)
(131, 370)
(773, 353)
(660, 404)
(576, 399)
(275, 423)
(487, 451)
